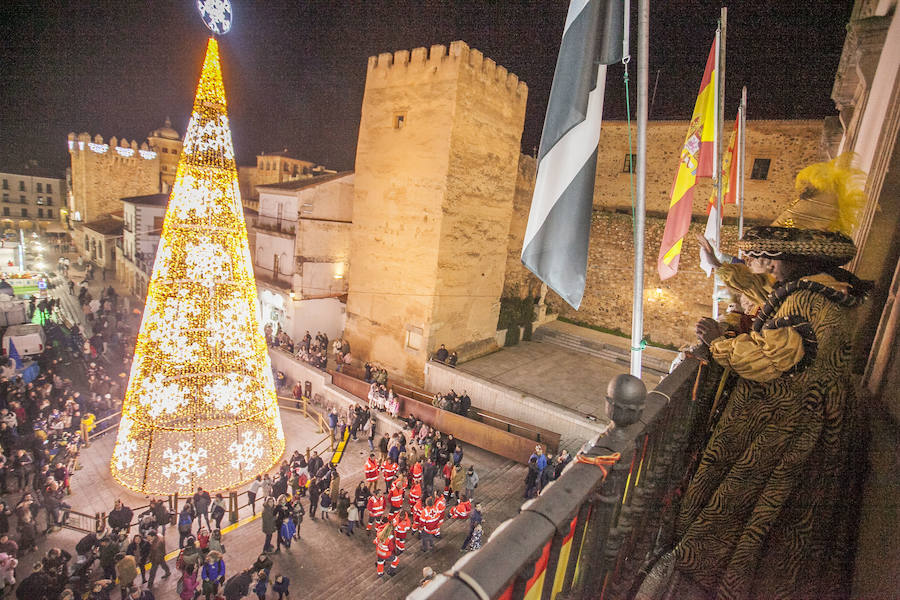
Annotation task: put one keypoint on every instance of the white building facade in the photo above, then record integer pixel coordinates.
(301, 253)
(142, 226)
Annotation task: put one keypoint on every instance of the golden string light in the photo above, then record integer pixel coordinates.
(200, 408)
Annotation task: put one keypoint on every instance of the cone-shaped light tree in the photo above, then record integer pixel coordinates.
(200, 408)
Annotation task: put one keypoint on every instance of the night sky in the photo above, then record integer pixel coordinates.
(295, 71)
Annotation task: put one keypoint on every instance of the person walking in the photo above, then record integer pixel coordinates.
(253, 491)
(217, 510)
(157, 557)
(384, 550)
(202, 502)
(477, 518)
(471, 482)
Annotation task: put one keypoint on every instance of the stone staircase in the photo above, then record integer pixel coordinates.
(655, 361)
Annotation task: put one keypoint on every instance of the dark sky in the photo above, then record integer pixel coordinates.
(295, 70)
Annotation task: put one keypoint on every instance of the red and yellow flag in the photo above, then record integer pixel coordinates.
(729, 171)
(696, 161)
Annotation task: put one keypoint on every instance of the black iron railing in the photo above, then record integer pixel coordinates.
(590, 533)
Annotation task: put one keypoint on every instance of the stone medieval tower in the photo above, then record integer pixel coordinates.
(436, 167)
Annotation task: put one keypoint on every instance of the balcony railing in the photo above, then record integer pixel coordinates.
(280, 280)
(275, 224)
(589, 534)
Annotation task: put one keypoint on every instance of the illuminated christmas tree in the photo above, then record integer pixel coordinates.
(200, 408)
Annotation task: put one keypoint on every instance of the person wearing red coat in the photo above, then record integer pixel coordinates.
(462, 510)
(402, 526)
(371, 471)
(384, 550)
(389, 471)
(375, 508)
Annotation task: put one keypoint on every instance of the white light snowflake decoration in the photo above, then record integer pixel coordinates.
(207, 263)
(184, 463)
(229, 392)
(216, 15)
(213, 136)
(247, 452)
(159, 397)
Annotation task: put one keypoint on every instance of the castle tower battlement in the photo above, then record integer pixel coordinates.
(439, 140)
(397, 68)
(118, 148)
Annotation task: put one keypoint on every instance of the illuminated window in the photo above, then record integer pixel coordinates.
(399, 120)
(760, 168)
(630, 160)
(40, 199)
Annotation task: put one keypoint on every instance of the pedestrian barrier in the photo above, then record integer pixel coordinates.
(592, 531)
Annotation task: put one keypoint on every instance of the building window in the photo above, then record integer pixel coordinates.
(399, 120)
(40, 200)
(22, 200)
(165, 150)
(414, 339)
(24, 212)
(40, 213)
(760, 168)
(630, 160)
(275, 265)
(6, 197)
(5, 211)
(5, 184)
(49, 213)
(21, 186)
(40, 188)
(49, 188)
(49, 201)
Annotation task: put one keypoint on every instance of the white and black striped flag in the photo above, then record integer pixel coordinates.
(556, 240)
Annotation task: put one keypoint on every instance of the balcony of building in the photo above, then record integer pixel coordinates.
(277, 281)
(277, 225)
(596, 531)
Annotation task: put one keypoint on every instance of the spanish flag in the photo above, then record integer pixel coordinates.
(697, 157)
(729, 171)
(729, 196)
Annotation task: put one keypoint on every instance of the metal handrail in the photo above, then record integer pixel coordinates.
(588, 533)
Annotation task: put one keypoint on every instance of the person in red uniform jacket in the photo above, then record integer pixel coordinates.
(375, 508)
(384, 550)
(462, 510)
(416, 514)
(431, 524)
(371, 471)
(402, 526)
(395, 494)
(417, 472)
(440, 505)
(389, 471)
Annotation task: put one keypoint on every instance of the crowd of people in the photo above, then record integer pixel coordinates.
(542, 469)
(413, 482)
(309, 350)
(453, 402)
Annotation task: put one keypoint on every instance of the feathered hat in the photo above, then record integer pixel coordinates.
(818, 223)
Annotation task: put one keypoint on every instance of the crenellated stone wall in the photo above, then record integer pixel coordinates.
(435, 176)
(105, 172)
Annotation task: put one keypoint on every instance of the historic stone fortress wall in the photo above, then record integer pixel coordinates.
(435, 178)
(672, 307)
(104, 173)
(788, 146)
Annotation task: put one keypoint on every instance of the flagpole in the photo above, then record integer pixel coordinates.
(720, 113)
(643, 87)
(742, 136)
